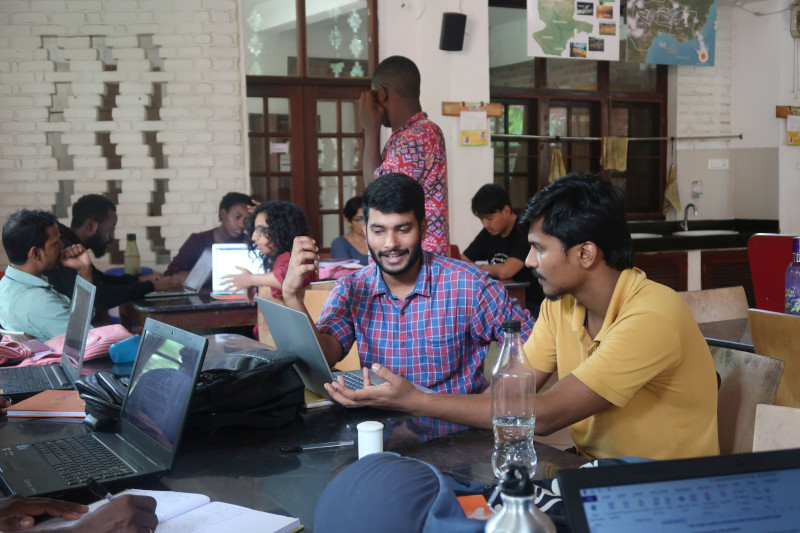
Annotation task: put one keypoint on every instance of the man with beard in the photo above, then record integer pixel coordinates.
(94, 218)
(28, 302)
(425, 317)
(636, 377)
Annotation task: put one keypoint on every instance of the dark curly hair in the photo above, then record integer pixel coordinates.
(285, 221)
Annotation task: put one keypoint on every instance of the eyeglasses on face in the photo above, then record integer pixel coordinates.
(261, 230)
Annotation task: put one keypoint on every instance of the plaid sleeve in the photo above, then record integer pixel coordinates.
(495, 306)
(337, 317)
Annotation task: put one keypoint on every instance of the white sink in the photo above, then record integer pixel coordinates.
(704, 232)
(645, 235)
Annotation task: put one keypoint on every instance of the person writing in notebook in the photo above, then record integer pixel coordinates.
(424, 316)
(124, 514)
(636, 377)
(28, 302)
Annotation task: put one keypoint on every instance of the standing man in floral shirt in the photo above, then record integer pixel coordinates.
(415, 148)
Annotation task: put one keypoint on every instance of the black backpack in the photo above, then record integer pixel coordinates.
(254, 387)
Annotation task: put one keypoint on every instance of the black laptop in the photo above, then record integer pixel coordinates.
(198, 275)
(754, 492)
(146, 439)
(20, 382)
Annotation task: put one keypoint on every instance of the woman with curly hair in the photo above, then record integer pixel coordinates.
(275, 224)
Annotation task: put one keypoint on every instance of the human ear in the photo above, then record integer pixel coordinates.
(587, 253)
(381, 95)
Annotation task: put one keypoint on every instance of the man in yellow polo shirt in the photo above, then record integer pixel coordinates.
(636, 377)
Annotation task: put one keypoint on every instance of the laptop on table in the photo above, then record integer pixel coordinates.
(20, 382)
(197, 277)
(292, 332)
(147, 435)
(754, 492)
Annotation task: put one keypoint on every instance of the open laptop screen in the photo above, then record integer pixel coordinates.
(77, 327)
(160, 388)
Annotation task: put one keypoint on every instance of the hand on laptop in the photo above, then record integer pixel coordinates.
(17, 512)
(397, 393)
(167, 283)
(155, 276)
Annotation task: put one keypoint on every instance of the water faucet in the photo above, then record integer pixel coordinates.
(685, 225)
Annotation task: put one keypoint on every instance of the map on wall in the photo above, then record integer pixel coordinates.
(580, 29)
(671, 32)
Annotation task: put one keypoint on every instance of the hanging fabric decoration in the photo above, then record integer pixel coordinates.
(615, 153)
(557, 168)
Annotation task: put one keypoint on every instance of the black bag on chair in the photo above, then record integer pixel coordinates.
(254, 388)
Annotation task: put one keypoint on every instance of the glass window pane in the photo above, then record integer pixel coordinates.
(328, 155)
(280, 188)
(619, 122)
(329, 192)
(326, 116)
(351, 154)
(350, 187)
(330, 229)
(571, 74)
(257, 159)
(337, 39)
(518, 190)
(279, 155)
(278, 119)
(509, 64)
(350, 123)
(270, 38)
(580, 124)
(517, 115)
(255, 113)
(558, 121)
(635, 77)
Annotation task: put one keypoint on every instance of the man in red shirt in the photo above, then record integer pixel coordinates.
(415, 148)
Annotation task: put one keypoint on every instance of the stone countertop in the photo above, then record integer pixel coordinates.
(663, 238)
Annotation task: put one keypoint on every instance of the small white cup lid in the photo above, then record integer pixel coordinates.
(370, 425)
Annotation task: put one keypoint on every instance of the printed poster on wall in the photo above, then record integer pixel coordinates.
(681, 32)
(579, 29)
(474, 131)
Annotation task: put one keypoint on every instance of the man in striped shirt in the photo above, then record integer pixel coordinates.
(423, 316)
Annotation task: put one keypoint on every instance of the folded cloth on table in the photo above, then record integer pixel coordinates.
(98, 341)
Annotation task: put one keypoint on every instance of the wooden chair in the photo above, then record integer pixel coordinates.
(769, 255)
(713, 305)
(777, 428)
(746, 380)
(775, 335)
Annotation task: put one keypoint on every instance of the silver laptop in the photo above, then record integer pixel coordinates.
(147, 435)
(292, 332)
(197, 277)
(754, 492)
(226, 260)
(21, 382)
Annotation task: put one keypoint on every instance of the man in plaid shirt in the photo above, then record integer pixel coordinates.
(423, 316)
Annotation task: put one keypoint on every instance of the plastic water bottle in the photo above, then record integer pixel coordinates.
(793, 280)
(513, 401)
(132, 262)
(519, 513)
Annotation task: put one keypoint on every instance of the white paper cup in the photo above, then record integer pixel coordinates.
(370, 438)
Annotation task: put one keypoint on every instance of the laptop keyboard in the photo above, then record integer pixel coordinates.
(25, 378)
(351, 380)
(77, 458)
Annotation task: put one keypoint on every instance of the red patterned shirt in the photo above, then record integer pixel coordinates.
(416, 149)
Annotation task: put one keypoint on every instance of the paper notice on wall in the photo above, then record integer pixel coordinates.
(474, 130)
(793, 129)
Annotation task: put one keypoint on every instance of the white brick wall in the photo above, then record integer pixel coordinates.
(201, 61)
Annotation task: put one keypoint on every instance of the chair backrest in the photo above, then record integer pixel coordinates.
(746, 380)
(769, 254)
(455, 252)
(713, 305)
(775, 335)
(777, 428)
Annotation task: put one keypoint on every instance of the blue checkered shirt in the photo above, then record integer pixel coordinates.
(438, 335)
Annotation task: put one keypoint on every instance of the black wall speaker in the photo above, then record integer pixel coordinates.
(452, 37)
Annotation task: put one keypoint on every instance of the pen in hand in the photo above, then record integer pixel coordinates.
(97, 489)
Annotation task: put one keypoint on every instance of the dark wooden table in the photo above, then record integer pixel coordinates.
(195, 312)
(244, 465)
